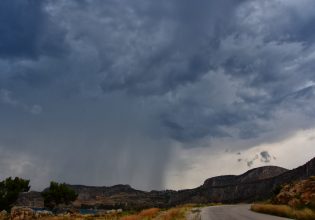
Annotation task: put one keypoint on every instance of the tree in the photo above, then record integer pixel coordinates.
(58, 193)
(10, 190)
(277, 190)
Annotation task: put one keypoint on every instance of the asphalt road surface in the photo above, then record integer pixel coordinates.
(234, 212)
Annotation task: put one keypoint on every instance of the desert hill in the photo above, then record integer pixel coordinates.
(254, 185)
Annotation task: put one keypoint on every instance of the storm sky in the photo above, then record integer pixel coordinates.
(155, 94)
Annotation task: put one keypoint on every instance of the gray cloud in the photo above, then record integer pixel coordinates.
(121, 81)
(6, 98)
(251, 161)
(265, 156)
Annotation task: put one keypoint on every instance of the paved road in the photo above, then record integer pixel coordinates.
(234, 212)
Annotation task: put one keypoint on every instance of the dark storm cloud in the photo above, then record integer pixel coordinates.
(118, 82)
(6, 98)
(165, 44)
(25, 30)
(20, 24)
(260, 68)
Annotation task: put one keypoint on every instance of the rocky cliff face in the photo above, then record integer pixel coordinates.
(250, 186)
(256, 184)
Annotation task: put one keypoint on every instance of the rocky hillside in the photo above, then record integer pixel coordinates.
(250, 186)
(119, 196)
(297, 194)
(254, 185)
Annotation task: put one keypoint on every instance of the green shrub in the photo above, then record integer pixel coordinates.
(10, 190)
(277, 190)
(58, 193)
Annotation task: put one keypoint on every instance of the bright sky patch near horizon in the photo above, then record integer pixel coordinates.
(155, 94)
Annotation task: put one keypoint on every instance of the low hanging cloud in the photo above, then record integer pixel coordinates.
(137, 79)
(265, 157)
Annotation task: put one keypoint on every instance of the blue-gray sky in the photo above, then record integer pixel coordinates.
(105, 92)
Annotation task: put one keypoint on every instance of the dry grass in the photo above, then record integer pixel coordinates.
(144, 214)
(131, 217)
(278, 210)
(149, 213)
(83, 217)
(178, 213)
(284, 211)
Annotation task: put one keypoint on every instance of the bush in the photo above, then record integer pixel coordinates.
(58, 193)
(277, 190)
(10, 190)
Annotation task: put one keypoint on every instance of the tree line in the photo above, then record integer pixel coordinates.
(56, 194)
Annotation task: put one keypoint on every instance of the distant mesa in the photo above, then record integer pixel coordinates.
(254, 185)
